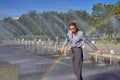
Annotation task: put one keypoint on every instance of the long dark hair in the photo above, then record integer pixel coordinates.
(73, 24)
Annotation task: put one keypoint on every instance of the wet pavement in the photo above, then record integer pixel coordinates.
(32, 67)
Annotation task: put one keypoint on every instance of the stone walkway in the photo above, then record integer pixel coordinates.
(32, 67)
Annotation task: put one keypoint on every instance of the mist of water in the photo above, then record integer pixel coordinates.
(83, 26)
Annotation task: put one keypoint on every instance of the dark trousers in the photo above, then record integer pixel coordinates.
(77, 61)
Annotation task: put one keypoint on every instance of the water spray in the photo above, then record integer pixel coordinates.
(112, 53)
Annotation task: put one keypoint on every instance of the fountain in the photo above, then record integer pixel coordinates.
(34, 61)
(112, 53)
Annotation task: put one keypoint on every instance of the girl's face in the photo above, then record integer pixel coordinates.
(73, 29)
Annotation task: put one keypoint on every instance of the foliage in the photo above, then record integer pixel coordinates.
(49, 23)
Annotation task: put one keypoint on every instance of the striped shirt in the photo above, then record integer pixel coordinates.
(78, 39)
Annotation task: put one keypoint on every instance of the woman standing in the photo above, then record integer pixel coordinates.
(76, 38)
